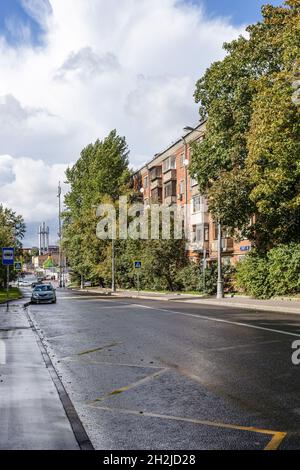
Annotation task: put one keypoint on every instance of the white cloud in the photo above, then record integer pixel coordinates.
(31, 186)
(130, 65)
(85, 63)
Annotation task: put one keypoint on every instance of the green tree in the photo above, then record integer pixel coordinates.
(100, 174)
(248, 164)
(12, 231)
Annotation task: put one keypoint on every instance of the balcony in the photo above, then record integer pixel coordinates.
(169, 200)
(155, 173)
(227, 245)
(157, 183)
(195, 246)
(195, 191)
(170, 175)
(156, 196)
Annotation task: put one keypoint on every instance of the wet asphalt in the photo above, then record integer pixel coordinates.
(148, 374)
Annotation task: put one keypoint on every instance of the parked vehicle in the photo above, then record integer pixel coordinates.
(34, 284)
(43, 293)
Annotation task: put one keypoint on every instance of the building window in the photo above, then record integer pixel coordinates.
(169, 164)
(156, 195)
(170, 189)
(194, 182)
(197, 233)
(196, 204)
(206, 234)
(181, 160)
(225, 231)
(155, 173)
(181, 187)
(215, 230)
(146, 182)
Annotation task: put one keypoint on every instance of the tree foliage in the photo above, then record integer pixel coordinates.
(12, 231)
(249, 162)
(273, 274)
(100, 174)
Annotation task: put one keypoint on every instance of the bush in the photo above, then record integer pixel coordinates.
(190, 278)
(284, 269)
(252, 276)
(276, 273)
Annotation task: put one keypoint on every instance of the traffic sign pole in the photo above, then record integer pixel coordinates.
(7, 287)
(138, 266)
(18, 268)
(8, 256)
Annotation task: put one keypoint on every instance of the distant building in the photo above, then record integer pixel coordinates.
(39, 261)
(43, 238)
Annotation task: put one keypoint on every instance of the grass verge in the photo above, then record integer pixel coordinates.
(14, 294)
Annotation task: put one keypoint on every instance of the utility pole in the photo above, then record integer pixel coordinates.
(220, 287)
(60, 235)
(113, 281)
(204, 269)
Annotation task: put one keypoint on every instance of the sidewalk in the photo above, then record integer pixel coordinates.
(31, 414)
(274, 305)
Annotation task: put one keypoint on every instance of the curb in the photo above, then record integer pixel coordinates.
(264, 308)
(203, 301)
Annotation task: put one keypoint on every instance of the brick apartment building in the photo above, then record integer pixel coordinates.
(166, 179)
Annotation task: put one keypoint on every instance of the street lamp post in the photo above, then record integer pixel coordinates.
(113, 282)
(220, 286)
(204, 269)
(59, 234)
(185, 164)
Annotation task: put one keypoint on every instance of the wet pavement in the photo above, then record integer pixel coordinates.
(32, 416)
(148, 374)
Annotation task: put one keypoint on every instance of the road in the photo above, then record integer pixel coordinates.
(148, 374)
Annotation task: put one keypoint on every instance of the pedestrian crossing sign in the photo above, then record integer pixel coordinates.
(137, 264)
(18, 266)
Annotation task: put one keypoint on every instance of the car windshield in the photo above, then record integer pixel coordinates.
(43, 288)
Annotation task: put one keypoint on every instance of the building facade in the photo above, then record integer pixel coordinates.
(166, 180)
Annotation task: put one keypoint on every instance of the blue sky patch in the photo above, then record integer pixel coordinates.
(239, 11)
(19, 25)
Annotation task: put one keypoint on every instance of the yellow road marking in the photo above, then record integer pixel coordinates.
(98, 349)
(276, 441)
(130, 386)
(272, 445)
(115, 364)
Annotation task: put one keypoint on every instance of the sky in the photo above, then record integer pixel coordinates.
(72, 70)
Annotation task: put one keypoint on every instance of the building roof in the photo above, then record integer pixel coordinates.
(188, 137)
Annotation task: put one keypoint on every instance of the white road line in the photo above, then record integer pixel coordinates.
(219, 320)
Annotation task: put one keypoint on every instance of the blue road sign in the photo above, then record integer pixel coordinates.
(245, 248)
(18, 266)
(137, 264)
(8, 256)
